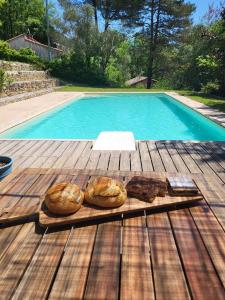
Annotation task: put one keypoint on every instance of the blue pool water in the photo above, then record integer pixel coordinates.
(148, 116)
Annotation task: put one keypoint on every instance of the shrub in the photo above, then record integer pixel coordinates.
(210, 88)
(114, 76)
(73, 68)
(4, 80)
(23, 55)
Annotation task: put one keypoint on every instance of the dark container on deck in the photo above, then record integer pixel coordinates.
(7, 167)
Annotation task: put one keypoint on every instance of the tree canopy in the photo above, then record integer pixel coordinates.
(109, 42)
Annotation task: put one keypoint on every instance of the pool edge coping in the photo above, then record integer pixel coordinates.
(200, 108)
(46, 110)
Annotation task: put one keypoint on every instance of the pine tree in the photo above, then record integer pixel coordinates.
(162, 22)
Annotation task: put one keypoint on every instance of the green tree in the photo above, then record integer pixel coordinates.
(19, 16)
(117, 71)
(91, 50)
(162, 22)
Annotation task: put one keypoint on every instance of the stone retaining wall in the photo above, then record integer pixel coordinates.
(24, 79)
(15, 66)
(28, 86)
(27, 75)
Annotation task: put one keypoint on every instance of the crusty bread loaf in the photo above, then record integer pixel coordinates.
(105, 192)
(64, 198)
(146, 188)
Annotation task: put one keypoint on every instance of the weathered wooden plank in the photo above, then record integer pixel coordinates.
(32, 150)
(37, 162)
(201, 274)
(136, 274)
(217, 168)
(145, 157)
(52, 148)
(64, 161)
(212, 235)
(167, 160)
(125, 161)
(7, 235)
(93, 160)
(215, 196)
(168, 274)
(155, 157)
(104, 275)
(176, 158)
(16, 259)
(135, 160)
(84, 157)
(33, 194)
(71, 277)
(61, 148)
(215, 153)
(49, 144)
(103, 160)
(63, 157)
(44, 162)
(27, 161)
(205, 168)
(37, 280)
(114, 161)
(17, 145)
(3, 144)
(22, 148)
(17, 191)
(7, 182)
(188, 160)
(7, 146)
(75, 154)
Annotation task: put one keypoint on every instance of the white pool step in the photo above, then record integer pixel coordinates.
(115, 140)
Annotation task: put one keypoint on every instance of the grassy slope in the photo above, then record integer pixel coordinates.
(212, 101)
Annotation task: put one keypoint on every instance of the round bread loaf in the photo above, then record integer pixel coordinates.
(64, 198)
(105, 192)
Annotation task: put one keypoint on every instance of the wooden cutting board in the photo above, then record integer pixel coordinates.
(17, 213)
(132, 205)
(22, 192)
(90, 213)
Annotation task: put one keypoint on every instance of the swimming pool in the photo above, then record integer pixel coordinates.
(148, 116)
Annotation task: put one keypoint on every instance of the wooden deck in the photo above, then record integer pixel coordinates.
(174, 255)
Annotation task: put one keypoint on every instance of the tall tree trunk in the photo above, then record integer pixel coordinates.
(95, 12)
(151, 46)
(106, 25)
(154, 31)
(150, 70)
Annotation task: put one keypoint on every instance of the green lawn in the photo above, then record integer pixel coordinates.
(212, 101)
(83, 88)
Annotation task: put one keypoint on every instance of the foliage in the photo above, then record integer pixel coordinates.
(23, 55)
(19, 16)
(2, 79)
(117, 71)
(162, 23)
(23, 16)
(94, 55)
(5, 80)
(153, 38)
(210, 88)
